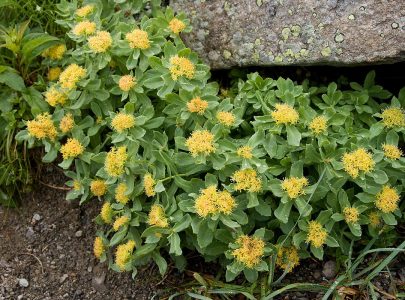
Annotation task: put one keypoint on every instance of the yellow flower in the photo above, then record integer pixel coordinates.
(294, 186)
(250, 250)
(54, 97)
(176, 25)
(53, 73)
(392, 151)
(84, 28)
(42, 127)
(285, 114)
(77, 185)
(122, 121)
(115, 161)
(71, 75)
(67, 123)
(138, 39)
(149, 185)
(318, 125)
(351, 214)
(210, 201)
(98, 247)
(73, 148)
(247, 180)
(100, 42)
(245, 152)
(316, 234)
(287, 258)
(181, 66)
(201, 142)
(106, 213)
(393, 117)
(55, 52)
(98, 187)
(157, 216)
(358, 160)
(197, 105)
(119, 222)
(126, 83)
(374, 219)
(85, 11)
(120, 193)
(123, 254)
(226, 118)
(387, 199)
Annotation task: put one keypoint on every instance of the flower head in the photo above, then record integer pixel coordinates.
(42, 127)
(247, 180)
(54, 97)
(287, 258)
(201, 142)
(226, 118)
(211, 201)
(393, 117)
(294, 186)
(55, 52)
(318, 125)
(250, 250)
(392, 151)
(284, 114)
(316, 234)
(53, 73)
(84, 28)
(351, 214)
(85, 10)
(387, 199)
(119, 222)
(176, 25)
(245, 152)
(126, 83)
(67, 123)
(358, 160)
(149, 185)
(157, 216)
(73, 148)
(100, 42)
(98, 187)
(181, 66)
(122, 121)
(123, 254)
(115, 161)
(106, 213)
(98, 247)
(374, 219)
(71, 76)
(77, 185)
(138, 39)
(197, 105)
(120, 193)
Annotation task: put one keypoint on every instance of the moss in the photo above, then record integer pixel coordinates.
(395, 25)
(227, 54)
(339, 38)
(351, 17)
(295, 30)
(326, 51)
(278, 58)
(285, 33)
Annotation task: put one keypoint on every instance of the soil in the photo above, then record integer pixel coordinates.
(46, 253)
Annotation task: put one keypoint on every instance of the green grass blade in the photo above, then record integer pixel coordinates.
(311, 287)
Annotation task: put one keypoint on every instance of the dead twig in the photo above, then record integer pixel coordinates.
(30, 254)
(54, 186)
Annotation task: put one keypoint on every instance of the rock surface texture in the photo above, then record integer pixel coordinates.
(228, 33)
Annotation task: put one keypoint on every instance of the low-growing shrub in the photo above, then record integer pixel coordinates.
(280, 171)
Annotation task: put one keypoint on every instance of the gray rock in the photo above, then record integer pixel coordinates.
(329, 269)
(317, 274)
(36, 218)
(20, 297)
(63, 278)
(229, 33)
(30, 232)
(23, 282)
(78, 233)
(99, 273)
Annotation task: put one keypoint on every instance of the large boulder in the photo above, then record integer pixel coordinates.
(228, 33)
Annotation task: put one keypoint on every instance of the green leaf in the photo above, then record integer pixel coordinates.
(293, 136)
(160, 262)
(205, 235)
(174, 240)
(182, 224)
(283, 211)
(12, 80)
(118, 236)
(35, 45)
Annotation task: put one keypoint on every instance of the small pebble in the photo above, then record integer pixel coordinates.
(79, 233)
(63, 278)
(89, 269)
(23, 282)
(329, 269)
(20, 297)
(317, 274)
(36, 218)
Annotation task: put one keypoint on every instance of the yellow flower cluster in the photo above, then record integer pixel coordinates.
(73, 148)
(211, 201)
(85, 10)
(393, 117)
(122, 121)
(181, 66)
(287, 258)
(123, 254)
(98, 247)
(138, 39)
(351, 215)
(106, 213)
(245, 152)
(247, 180)
(67, 123)
(374, 219)
(98, 187)
(176, 25)
(119, 222)
(226, 118)
(356, 161)
(294, 186)
(120, 193)
(126, 82)
(71, 76)
(53, 73)
(55, 52)
(157, 216)
(149, 185)
(197, 105)
(316, 234)
(42, 127)
(115, 161)
(285, 114)
(54, 97)
(318, 125)
(201, 142)
(84, 28)
(77, 185)
(250, 251)
(387, 199)
(100, 42)
(392, 151)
